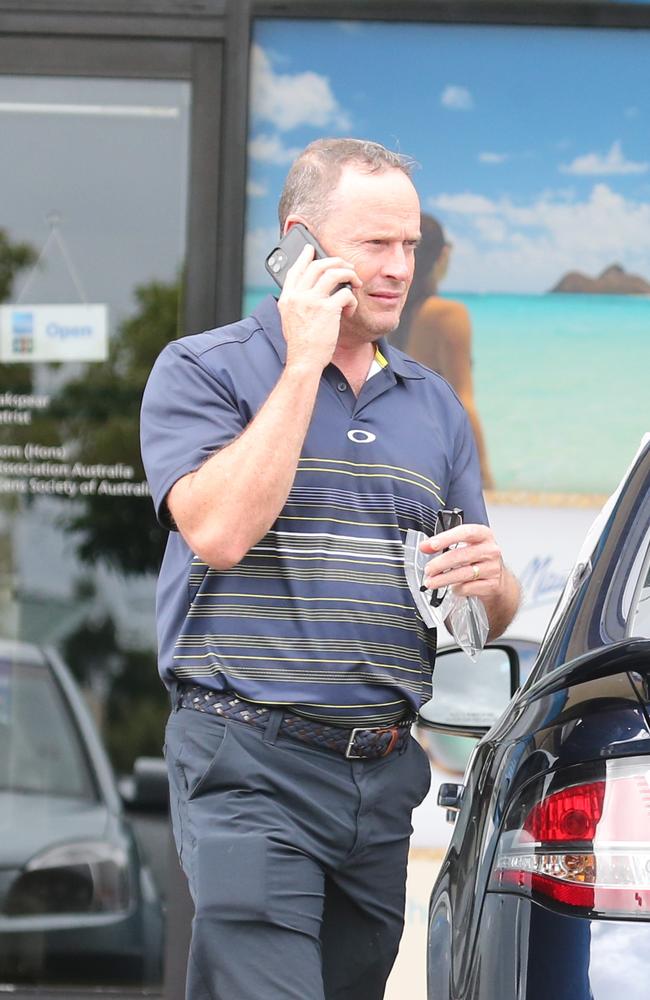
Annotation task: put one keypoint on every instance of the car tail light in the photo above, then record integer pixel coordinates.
(581, 840)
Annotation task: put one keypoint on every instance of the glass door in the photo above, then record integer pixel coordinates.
(93, 207)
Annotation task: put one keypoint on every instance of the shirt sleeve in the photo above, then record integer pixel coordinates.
(465, 490)
(187, 415)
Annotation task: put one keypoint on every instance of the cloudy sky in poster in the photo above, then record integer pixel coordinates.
(532, 142)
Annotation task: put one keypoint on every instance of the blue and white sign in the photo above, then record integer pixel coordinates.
(53, 333)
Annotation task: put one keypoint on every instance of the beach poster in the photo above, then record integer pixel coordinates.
(533, 160)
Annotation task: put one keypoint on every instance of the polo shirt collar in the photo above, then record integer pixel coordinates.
(268, 316)
(398, 362)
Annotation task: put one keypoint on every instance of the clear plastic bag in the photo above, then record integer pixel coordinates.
(465, 617)
(468, 623)
(414, 563)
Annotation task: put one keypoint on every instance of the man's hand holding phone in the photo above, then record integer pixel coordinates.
(316, 291)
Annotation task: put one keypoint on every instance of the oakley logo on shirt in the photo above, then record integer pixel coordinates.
(361, 437)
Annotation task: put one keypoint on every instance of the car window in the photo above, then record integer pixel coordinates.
(636, 598)
(640, 625)
(40, 748)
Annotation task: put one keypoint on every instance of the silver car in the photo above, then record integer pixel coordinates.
(77, 904)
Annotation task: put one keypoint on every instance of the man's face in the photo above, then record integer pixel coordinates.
(374, 224)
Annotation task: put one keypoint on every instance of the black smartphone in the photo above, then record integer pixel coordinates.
(286, 253)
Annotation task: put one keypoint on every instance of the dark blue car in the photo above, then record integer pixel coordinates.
(545, 888)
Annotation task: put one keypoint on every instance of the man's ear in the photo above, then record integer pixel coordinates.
(291, 221)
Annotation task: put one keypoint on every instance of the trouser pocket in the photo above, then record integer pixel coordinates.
(194, 745)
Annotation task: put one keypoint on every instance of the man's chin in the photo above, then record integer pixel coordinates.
(384, 326)
(382, 322)
(370, 325)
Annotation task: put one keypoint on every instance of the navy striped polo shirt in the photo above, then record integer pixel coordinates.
(318, 615)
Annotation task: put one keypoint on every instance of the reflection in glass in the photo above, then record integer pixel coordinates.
(76, 902)
(467, 693)
(79, 546)
(40, 750)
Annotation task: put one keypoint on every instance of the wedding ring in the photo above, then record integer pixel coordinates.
(475, 571)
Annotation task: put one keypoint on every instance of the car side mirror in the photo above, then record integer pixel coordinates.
(147, 788)
(469, 697)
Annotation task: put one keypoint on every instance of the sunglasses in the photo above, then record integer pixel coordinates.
(446, 519)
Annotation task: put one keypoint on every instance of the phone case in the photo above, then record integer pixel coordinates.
(286, 253)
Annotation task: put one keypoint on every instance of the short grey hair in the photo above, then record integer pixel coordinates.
(316, 172)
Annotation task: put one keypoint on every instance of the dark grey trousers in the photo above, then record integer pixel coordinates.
(296, 860)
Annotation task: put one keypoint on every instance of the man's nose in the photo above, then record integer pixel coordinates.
(397, 263)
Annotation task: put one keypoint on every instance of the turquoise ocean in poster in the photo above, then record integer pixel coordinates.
(562, 384)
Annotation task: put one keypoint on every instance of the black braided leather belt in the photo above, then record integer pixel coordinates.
(354, 744)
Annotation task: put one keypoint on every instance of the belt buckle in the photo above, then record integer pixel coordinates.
(393, 730)
(353, 736)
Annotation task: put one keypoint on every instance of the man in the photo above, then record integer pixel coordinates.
(288, 454)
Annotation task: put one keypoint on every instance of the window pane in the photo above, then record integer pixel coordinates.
(93, 175)
(640, 611)
(40, 748)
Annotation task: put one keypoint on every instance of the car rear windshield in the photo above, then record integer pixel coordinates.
(40, 746)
